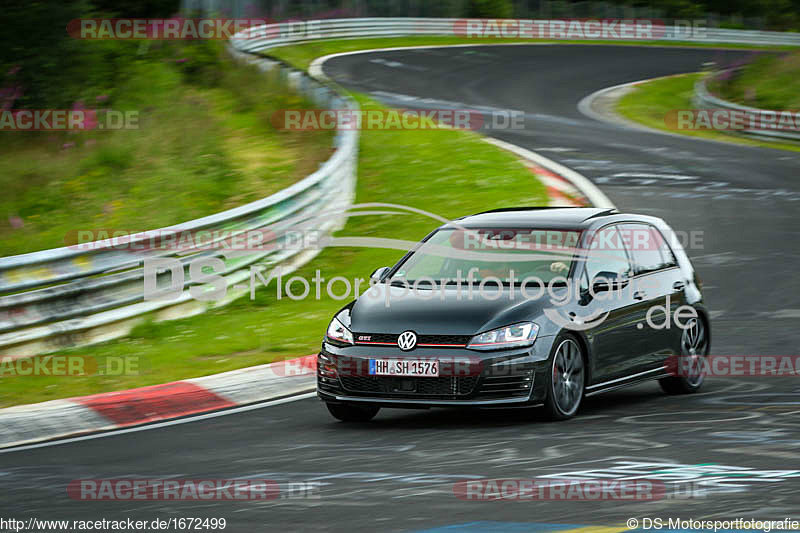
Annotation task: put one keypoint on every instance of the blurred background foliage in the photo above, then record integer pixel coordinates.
(203, 139)
(42, 66)
(754, 14)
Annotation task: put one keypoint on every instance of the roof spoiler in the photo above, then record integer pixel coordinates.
(603, 213)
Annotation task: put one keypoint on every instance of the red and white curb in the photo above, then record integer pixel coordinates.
(27, 424)
(560, 191)
(563, 180)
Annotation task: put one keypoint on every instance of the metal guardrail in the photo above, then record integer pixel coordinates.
(78, 295)
(703, 99)
(68, 296)
(269, 36)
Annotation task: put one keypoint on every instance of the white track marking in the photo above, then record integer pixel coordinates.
(315, 68)
(636, 419)
(585, 107)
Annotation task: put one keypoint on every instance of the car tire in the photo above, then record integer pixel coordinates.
(566, 379)
(352, 413)
(694, 349)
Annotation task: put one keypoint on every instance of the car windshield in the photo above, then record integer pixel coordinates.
(475, 255)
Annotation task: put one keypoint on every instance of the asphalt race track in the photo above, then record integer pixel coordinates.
(398, 472)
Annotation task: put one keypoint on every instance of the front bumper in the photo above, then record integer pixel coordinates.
(487, 379)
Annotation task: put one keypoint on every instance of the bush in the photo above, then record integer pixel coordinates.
(200, 61)
(490, 9)
(38, 57)
(138, 8)
(42, 66)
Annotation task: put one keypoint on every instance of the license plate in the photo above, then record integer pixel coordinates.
(404, 367)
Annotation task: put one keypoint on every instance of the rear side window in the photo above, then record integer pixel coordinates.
(607, 256)
(647, 247)
(666, 251)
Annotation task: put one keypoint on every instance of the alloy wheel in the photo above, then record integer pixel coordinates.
(568, 377)
(693, 344)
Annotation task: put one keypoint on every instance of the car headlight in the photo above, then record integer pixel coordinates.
(337, 332)
(513, 336)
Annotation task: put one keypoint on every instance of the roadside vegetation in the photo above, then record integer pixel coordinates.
(202, 142)
(768, 82)
(649, 103)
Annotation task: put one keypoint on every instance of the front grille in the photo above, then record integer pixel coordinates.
(460, 340)
(416, 387)
(391, 338)
(361, 384)
(328, 384)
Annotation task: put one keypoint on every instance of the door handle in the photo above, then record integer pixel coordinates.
(678, 285)
(639, 295)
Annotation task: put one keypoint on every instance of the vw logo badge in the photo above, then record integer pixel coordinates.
(407, 340)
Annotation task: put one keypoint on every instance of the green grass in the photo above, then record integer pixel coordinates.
(445, 171)
(649, 102)
(771, 82)
(199, 148)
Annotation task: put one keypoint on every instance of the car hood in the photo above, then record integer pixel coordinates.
(442, 314)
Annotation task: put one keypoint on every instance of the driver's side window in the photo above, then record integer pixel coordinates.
(607, 256)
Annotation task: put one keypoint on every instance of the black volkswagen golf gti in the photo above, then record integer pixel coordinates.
(520, 307)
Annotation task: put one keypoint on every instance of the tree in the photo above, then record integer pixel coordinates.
(490, 9)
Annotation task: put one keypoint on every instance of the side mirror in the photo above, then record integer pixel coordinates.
(607, 281)
(379, 273)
